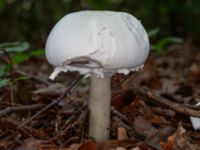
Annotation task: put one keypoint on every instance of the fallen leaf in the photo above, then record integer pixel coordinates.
(160, 135)
(73, 147)
(194, 74)
(122, 98)
(182, 141)
(113, 144)
(136, 148)
(169, 144)
(120, 148)
(159, 121)
(29, 144)
(90, 145)
(143, 127)
(138, 107)
(142, 146)
(4, 143)
(179, 141)
(34, 144)
(121, 134)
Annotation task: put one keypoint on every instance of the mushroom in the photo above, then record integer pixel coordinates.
(98, 44)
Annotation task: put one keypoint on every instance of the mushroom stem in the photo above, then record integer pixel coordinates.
(99, 108)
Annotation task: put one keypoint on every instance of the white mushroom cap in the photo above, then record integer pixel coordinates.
(98, 42)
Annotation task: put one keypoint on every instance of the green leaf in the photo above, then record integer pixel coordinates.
(19, 48)
(153, 32)
(38, 52)
(160, 46)
(14, 46)
(8, 44)
(19, 58)
(4, 69)
(20, 78)
(4, 82)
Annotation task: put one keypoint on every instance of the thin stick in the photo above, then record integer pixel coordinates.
(20, 72)
(54, 102)
(20, 108)
(81, 117)
(12, 125)
(149, 96)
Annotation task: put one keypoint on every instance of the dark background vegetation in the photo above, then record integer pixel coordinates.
(31, 20)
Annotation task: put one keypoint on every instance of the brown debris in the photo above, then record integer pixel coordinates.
(141, 118)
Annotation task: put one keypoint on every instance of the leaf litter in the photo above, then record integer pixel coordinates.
(138, 122)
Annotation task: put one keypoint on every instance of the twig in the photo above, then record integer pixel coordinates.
(81, 118)
(12, 125)
(20, 108)
(54, 102)
(195, 107)
(20, 72)
(83, 113)
(119, 114)
(148, 95)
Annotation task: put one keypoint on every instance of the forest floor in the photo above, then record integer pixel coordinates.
(151, 109)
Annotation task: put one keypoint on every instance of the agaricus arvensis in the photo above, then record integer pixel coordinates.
(98, 44)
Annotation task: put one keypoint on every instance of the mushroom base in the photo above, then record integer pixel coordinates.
(99, 108)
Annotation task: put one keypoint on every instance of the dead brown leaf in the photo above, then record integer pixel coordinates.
(143, 127)
(30, 144)
(120, 148)
(169, 144)
(121, 134)
(154, 139)
(4, 143)
(159, 121)
(122, 98)
(138, 107)
(72, 147)
(112, 144)
(135, 148)
(178, 141)
(194, 74)
(182, 140)
(142, 146)
(90, 145)
(33, 144)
